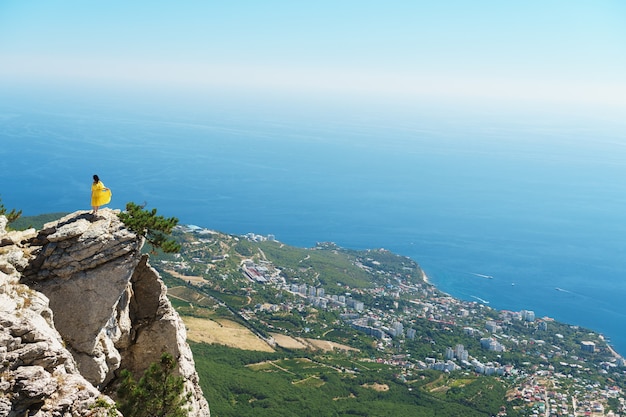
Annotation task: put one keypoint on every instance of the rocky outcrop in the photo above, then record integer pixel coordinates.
(79, 302)
(84, 265)
(38, 376)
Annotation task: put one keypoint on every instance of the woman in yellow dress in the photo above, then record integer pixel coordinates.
(100, 195)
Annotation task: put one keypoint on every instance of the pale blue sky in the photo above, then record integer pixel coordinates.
(557, 52)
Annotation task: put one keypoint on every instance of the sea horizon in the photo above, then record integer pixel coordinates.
(513, 215)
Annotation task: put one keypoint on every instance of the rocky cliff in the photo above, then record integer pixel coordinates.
(78, 303)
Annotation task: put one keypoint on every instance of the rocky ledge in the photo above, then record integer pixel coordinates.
(78, 303)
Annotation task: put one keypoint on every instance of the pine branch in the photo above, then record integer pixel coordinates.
(155, 229)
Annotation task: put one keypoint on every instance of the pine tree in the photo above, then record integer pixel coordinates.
(157, 394)
(153, 228)
(12, 215)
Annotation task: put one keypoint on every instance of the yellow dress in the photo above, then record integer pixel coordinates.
(99, 196)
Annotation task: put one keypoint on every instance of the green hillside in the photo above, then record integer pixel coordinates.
(241, 383)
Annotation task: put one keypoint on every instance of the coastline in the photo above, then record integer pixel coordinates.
(426, 280)
(615, 354)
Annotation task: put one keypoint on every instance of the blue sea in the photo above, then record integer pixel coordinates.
(538, 206)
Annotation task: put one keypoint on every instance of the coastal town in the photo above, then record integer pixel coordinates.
(552, 368)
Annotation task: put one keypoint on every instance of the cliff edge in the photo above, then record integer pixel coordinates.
(79, 303)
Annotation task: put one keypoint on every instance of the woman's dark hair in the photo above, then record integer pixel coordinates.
(95, 178)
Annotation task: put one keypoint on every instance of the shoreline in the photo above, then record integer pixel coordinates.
(426, 280)
(614, 352)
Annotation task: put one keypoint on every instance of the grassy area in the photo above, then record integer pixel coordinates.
(327, 267)
(243, 383)
(224, 332)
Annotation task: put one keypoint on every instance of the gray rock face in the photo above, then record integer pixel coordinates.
(78, 302)
(38, 376)
(158, 328)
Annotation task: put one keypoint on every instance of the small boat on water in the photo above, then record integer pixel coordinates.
(482, 275)
(480, 299)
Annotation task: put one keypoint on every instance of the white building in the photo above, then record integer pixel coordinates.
(411, 334)
(587, 346)
(492, 344)
(491, 326)
(449, 353)
(528, 315)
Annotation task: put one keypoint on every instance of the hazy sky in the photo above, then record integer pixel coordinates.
(555, 51)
